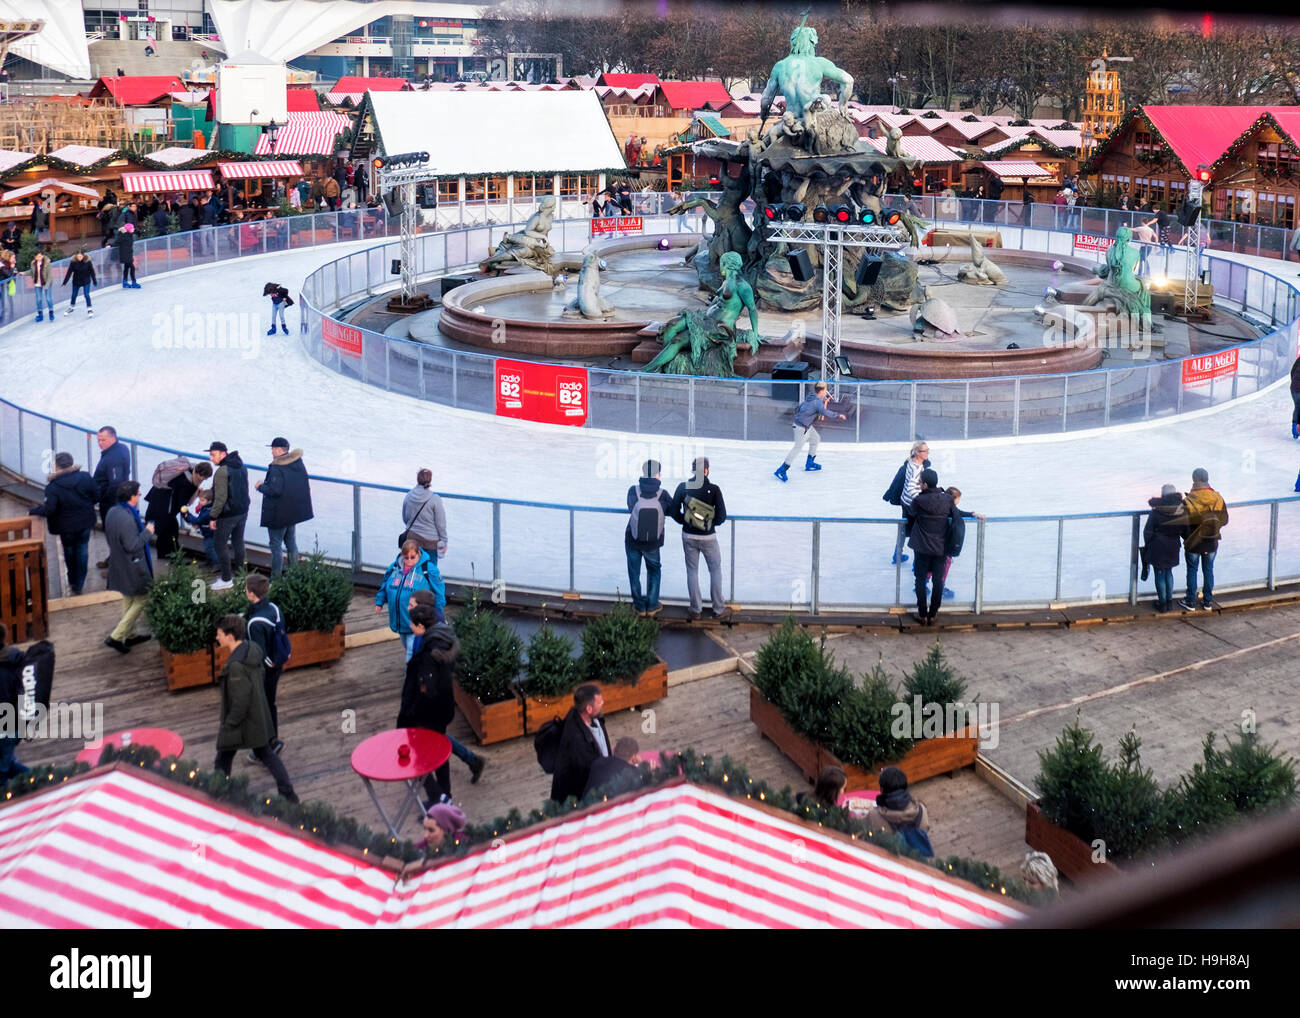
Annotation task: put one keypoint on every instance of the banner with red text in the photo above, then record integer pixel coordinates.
(1085, 242)
(1199, 370)
(616, 224)
(546, 393)
(343, 338)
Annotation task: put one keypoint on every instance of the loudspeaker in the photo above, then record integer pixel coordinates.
(800, 265)
(450, 283)
(1188, 212)
(427, 196)
(868, 270)
(395, 269)
(393, 201)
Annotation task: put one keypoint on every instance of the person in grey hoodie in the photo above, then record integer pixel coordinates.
(423, 515)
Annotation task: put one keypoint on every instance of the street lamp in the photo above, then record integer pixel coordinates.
(272, 129)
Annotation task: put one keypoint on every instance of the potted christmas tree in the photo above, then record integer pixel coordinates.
(618, 655)
(314, 597)
(181, 620)
(491, 658)
(552, 674)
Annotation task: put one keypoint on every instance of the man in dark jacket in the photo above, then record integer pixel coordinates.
(264, 617)
(245, 717)
(70, 509)
(230, 502)
(1160, 538)
(617, 772)
(698, 506)
(166, 502)
(286, 502)
(161, 216)
(810, 411)
(583, 741)
(1295, 398)
(113, 468)
(648, 505)
(185, 215)
(427, 700)
(130, 567)
(933, 511)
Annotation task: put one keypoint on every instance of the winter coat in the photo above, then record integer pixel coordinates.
(1162, 531)
(160, 218)
(230, 488)
(612, 774)
(423, 515)
(647, 486)
(129, 571)
(427, 700)
(70, 498)
(41, 272)
(245, 715)
(1295, 370)
(208, 212)
(286, 493)
(812, 409)
(185, 217)
(399, 585)
(573, 759)
(1206, 515)
(932, 511)
(82, 273)
(113, 468)
(897, 809)
(262, 620)
(706, 492)
(125, 244)
(167, 501)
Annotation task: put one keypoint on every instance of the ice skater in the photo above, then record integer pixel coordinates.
(280, 300)
(810, 411)
(125, 244)
(81, 270)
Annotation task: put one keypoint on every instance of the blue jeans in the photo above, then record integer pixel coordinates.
(81, 289)
(288, 537)
(1206, 562)
(277, 310)
(45, 299)
(461, 752)
(9, 765)
(76, 555)
(1164, 585)
(651, 598)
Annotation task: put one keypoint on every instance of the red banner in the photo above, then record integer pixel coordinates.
(616, 224)
(1085, 242)
(546, 393)
(1199, 370)
(343, 338)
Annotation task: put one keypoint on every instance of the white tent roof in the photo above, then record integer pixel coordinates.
(61, 44)
(471, 133)
(285, 29)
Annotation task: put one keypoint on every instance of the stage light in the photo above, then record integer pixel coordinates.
(794, 212)
(843, 367)
(772, 212)
(821, 214)
(890, 217)
(664, 244)
(377, 163)
(866, 217)
(1203, 173)
(1057, 266)
(842, 213)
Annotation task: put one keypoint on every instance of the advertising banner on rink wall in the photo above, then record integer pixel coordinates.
(1200, 370)
(1084, 242)
(343, 338)
(615, 225)
(546, 393)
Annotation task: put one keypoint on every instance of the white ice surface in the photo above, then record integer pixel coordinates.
(112, 370)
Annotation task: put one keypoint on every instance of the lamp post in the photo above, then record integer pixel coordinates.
(272, 131)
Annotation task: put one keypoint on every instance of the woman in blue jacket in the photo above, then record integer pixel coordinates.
(413, 570)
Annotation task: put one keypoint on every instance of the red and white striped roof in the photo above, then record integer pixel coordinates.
(1016, 168)
(681, 856)
(305, 134)
(168, 180)
(62, 186)
(922, 147)
(120, 850)
(256, 170)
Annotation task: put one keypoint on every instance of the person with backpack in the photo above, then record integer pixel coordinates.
(412, 570)
(1206, 515)
(280, 300)
(173, 484)
(269, 634)
(245, 717)
(130, 566)
(571, 746)
(896, 812)
(698, 506)
(286, 502)
(427, 700)
(424, 517)
(904, 488)
(954, 540)
(648, 505)
(470, 759)
(230, 503)
(933, 516)
(1160, 537)
(811, 410)
(70, 509)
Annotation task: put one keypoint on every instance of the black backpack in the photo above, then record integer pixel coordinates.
(955, 537)
(26, 679)
(547, 743)
(894, 496)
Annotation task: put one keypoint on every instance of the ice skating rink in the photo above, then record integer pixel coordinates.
(132, 367)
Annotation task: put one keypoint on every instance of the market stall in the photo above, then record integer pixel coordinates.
(250, 186)
(61, 197)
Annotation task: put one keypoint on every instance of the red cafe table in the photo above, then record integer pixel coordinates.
(166, 742)
(404, 754)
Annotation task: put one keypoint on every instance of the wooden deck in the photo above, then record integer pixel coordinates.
(319, 705)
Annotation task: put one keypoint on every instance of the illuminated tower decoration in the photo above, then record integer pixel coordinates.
(1103, 106)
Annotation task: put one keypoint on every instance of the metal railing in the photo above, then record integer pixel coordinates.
(757, 409)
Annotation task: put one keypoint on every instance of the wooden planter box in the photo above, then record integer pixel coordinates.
(927, 759)
(493, 722)
(651, 685)
(1070, 853)
(24, 579)
(314, 648)
(187, 670)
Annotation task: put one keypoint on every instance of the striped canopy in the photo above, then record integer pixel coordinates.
(122, 849)
(1016, 168)
(255, 170)
(62, 186)
(168, 180)
(305, 134)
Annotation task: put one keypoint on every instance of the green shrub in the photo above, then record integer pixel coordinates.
(1131, 813)
(1243, 778)
(932, 679)
(552, 669)
(618, 646)
(179, 609)
(313, 595)
(1072, 782)
(862, 731)
(491, 653)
